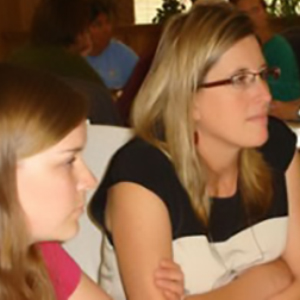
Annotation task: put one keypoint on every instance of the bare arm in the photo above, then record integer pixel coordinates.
(259, 283)
(141, 230)
(292, 251)
(87, 289)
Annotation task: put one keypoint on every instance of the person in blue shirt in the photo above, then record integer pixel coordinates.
(112, 59)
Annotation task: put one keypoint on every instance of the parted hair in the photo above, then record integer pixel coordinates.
(36, 111)
(190, 45)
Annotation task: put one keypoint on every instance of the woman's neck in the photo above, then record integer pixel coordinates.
(222, 185)
(222, 164)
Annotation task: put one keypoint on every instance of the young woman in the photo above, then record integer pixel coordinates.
(209, 180)
(43, 181)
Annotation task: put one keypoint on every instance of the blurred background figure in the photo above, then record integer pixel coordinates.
(112, 59)
(57, 42)
(278, 52)
(59, 38)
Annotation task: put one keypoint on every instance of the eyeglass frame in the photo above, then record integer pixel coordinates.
(230, 81)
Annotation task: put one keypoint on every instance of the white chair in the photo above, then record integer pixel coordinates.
(295, 126)
(103, 142)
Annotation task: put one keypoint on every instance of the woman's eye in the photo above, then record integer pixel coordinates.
(242, 79)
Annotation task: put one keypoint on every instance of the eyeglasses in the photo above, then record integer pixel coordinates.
(245, 79)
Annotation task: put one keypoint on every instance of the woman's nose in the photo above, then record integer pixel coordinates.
(263, 91)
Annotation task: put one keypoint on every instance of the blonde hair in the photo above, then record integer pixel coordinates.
(190, 45)
(36, 111)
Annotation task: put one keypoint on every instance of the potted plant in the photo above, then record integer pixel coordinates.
(168, 9)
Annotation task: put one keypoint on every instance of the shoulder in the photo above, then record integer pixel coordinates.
(141, 163)
(279, 149)
(280, 48)
(278, 40)
(120, 47)
(63, 271)
(138, 156)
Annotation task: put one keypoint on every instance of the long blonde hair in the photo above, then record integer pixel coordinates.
(36, 111)
(190, 45)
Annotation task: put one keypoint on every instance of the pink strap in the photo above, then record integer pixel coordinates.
(63, 270)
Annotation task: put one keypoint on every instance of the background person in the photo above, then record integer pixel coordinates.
(112, 59)
(57, 44)
(278, 52)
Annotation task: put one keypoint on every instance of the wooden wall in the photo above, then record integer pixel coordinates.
(15, 18)
(141, 38)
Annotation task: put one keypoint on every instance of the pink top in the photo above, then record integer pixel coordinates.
(63, 271)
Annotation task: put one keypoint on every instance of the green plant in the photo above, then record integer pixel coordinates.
(284, 8)
(168, 9)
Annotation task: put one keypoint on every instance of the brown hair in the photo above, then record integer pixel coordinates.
(36, 111)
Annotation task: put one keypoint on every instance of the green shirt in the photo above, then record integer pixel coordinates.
(279, 53)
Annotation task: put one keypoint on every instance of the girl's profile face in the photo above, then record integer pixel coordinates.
(52, 185)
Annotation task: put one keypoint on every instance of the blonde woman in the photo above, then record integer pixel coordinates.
(209, 180)
(43, 181)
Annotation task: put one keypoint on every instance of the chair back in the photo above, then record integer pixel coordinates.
(103, 141)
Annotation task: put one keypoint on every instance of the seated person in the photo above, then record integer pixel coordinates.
(43, 185)
(209, 180)
(278, 52)
(57, 44)
(113, 60)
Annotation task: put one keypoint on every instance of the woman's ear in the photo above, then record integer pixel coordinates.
(196, 111)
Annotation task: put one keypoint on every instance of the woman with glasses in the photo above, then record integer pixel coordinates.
(209, 180)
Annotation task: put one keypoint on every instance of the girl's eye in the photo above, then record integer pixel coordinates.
(71, 161)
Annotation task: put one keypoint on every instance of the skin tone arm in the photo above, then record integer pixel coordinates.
(88, 289)
(285, 110)
(168, 277)
(292, 252)
(261, 283)
(141, 230)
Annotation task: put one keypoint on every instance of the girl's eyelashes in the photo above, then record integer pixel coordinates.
(71, 160)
